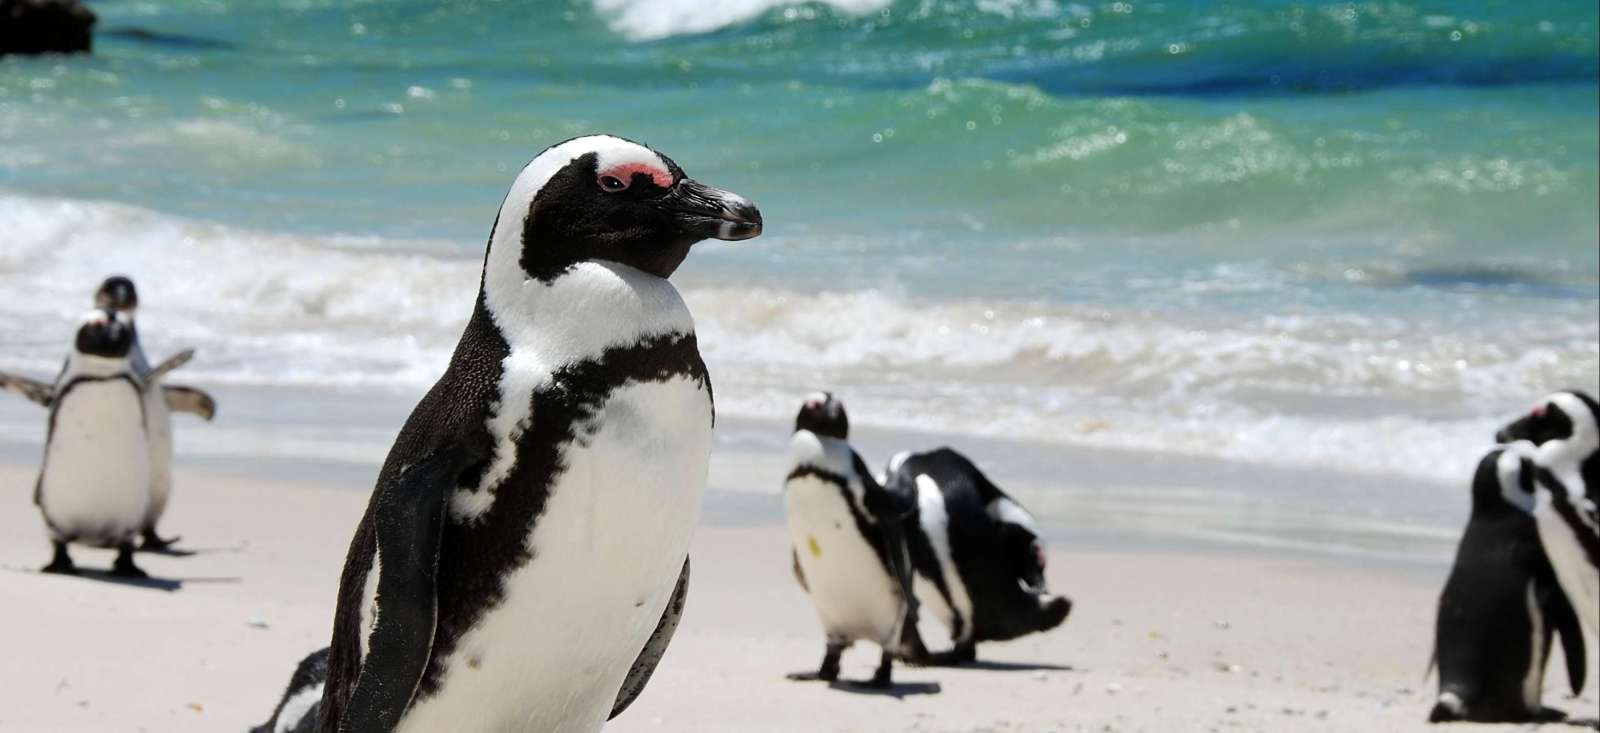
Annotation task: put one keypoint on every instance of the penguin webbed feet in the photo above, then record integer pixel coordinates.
(828, 672)
(153, 542)
(60, 563)
(124, 567)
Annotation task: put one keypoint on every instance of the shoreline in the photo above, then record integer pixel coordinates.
(1091, 498)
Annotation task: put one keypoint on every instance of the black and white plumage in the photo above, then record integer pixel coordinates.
(118, 293)
(1501, 606)
(1561, 436)
(302, 699)
(94, 483)
(524, 557)
(848, 543)
(978, 554)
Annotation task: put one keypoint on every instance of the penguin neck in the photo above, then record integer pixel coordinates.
(95, 367)
(578, 314)
(1575, 459)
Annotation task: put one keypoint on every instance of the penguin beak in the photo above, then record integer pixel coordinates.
(711, 213)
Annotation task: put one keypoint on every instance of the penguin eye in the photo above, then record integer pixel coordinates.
(612, 184)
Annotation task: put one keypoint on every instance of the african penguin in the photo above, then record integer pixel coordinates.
(297, 710)
(1562, 435)
(977, 553)
(847, 544)
(1500, 607)
(94, 484)
(117, 293)
(523, 560)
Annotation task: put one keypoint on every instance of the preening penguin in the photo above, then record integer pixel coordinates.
(94, 484)
(1500, 607)
(297, 710)
(1563, 431)
(978, 554)
(848, 543)
(523, 560)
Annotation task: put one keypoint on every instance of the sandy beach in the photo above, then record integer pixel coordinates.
(1204, 638)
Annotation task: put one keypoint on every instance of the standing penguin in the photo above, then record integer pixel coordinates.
(1500, 607)
(94, 485)
(848, 544)
(523, 560)
(118, 294)
(977, 553)
(1564, 432)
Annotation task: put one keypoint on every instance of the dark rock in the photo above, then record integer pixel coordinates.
(45, 26)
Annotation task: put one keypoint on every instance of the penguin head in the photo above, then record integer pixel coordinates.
(117, 293)
(1570, 416)
(603, 198)
(823, 414)
(105, 333)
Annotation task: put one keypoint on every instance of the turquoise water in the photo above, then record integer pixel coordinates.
(1364, 230)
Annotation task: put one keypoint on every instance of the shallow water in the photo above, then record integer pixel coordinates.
(1350, 236)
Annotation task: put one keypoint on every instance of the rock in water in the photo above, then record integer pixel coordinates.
(45, 26)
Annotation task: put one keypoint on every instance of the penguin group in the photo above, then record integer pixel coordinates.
(1527, 570)
(934, 533)
(106, 474)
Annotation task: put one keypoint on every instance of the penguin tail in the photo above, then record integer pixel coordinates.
(1449, 708)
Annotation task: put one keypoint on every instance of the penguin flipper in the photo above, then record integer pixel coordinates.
(34, 390)
(653, 650)
(190, 400)
(799, 575)
(1564, 620)
(172, 362)
(408, 519)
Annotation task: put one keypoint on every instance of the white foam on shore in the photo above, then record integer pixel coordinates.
(1356, 393)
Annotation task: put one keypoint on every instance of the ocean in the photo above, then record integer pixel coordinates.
(1348, 235)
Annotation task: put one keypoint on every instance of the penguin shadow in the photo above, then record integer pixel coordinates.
(992, 666)
(169, 585)
(898, 690)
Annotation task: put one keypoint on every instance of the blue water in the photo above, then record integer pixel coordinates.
(1186, 226)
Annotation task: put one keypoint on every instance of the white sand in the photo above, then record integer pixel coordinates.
(1157, 642)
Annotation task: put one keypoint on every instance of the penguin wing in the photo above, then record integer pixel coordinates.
(408, 520)
(172, 362)
(653, 650)
(799, 575)
(1563, 619)
(190, 400)
(33, 389)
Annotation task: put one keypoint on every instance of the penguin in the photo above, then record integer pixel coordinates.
(297, 710)
(977, 554)
(848, 546)
(1562, 438)
(118, 293)
(523, 559)
(94, 483)
(1500, 607)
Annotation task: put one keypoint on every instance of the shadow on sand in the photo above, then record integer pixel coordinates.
(898, 691)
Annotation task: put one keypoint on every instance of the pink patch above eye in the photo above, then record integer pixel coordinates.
(626, 171)
(1539, 411)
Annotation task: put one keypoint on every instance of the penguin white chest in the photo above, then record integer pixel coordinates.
(605, 557)
(95, 484)
(854, 596)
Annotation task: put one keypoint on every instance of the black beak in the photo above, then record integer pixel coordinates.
(712, 213)
(1502, 437)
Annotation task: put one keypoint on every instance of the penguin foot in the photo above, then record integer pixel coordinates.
(124, 567)
(60, 563)
(57, 567)
(155, 543)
